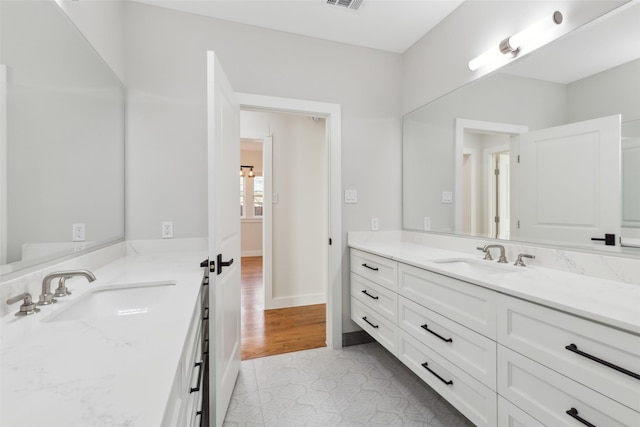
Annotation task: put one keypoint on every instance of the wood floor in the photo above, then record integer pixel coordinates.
(269, 332)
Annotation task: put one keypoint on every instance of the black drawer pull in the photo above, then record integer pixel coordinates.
(426, 328)
(573, 413)
(365, 319)
(206, 315)
(369, 267)
(368, 294)
(574, 348)
(425, 365)
(197, 387)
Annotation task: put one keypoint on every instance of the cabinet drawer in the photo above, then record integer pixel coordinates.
(467, 304)
(375, 296)
(544, 334)
(470, 351)
(509, 415)
(469, 396)
(376, 325)
(548, 396)
(380, 270)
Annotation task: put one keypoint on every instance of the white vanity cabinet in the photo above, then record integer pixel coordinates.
(184, 408)
(374, 298)
(562, 368)
(501, 360)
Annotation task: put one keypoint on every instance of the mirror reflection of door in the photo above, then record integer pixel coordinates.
(485, 189)
(498, 179)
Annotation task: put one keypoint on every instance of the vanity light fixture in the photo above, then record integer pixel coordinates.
(530, 38)
(251, 174)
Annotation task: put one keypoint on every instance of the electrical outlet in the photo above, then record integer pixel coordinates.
(167, 230)
(77, 232)
(374, 224)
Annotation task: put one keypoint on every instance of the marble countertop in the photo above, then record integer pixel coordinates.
(609, 302)
(115, 371)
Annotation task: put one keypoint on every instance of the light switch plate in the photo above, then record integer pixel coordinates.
(427, 223)
(351, 196)
(447, 197)
(275, 198)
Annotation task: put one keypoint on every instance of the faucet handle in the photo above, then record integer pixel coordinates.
(27, 307)
(487, 253)
(520, 263)
(62, 290)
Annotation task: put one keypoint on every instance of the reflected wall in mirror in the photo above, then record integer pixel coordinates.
(63, 140)
(520, 154)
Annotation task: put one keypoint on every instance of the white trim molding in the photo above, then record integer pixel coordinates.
(333, 115)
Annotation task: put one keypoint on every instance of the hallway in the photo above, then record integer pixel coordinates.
(270, 332)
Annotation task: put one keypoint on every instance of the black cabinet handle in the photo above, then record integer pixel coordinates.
(369, 295)
(369, 267)
(573, 413)
(365, 319)
(426, 328)
(197, 387)
(206, 315)
(574, 348)
(223, 263)
(425, 365)
(609, 239)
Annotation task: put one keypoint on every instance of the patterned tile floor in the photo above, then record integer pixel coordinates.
(361, 385)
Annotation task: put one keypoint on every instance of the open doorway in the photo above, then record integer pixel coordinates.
(284, 228)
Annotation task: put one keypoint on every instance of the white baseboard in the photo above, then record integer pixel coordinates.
(294, 301)
(252, 253)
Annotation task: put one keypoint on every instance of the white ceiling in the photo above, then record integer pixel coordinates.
(389, 25)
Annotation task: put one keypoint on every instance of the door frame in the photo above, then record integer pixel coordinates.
(333, 115)
(461, 126)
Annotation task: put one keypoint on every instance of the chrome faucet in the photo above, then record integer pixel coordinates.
(47, 297)
(501, 259)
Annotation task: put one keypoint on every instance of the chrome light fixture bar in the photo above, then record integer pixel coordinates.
(530, 38)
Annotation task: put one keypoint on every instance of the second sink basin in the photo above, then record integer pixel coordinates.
(470, 265)
(116, 300)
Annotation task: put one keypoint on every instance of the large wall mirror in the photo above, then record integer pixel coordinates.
(62, 154)
(545, 150)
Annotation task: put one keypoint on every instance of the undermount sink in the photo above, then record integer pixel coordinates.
(116, 300)
(470, 265)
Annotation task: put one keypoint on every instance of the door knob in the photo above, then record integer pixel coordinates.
(222, 264)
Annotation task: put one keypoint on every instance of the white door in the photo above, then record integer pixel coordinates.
(223, 118)
(569, 182)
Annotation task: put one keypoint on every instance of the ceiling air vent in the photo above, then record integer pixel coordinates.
(348, 4)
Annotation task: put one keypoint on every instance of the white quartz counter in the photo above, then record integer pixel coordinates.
(115, 371)
(606, 301)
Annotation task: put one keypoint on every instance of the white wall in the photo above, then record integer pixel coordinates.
(437, 64)
(102, 23)
(165, 67)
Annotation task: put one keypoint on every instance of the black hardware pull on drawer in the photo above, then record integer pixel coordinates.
(369, 267)
(368, 294)
(573, 413)
(426, 328)
(365, 319)
(197, 387)
(425, 365)
(574, 348)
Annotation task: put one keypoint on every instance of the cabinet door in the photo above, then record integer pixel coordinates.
(462, 302)
(380, 270)
(476, 401)
(376, 325)
(375, 296)
(474, 353)
(553, 398)
(567, 343)
(509, 415)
